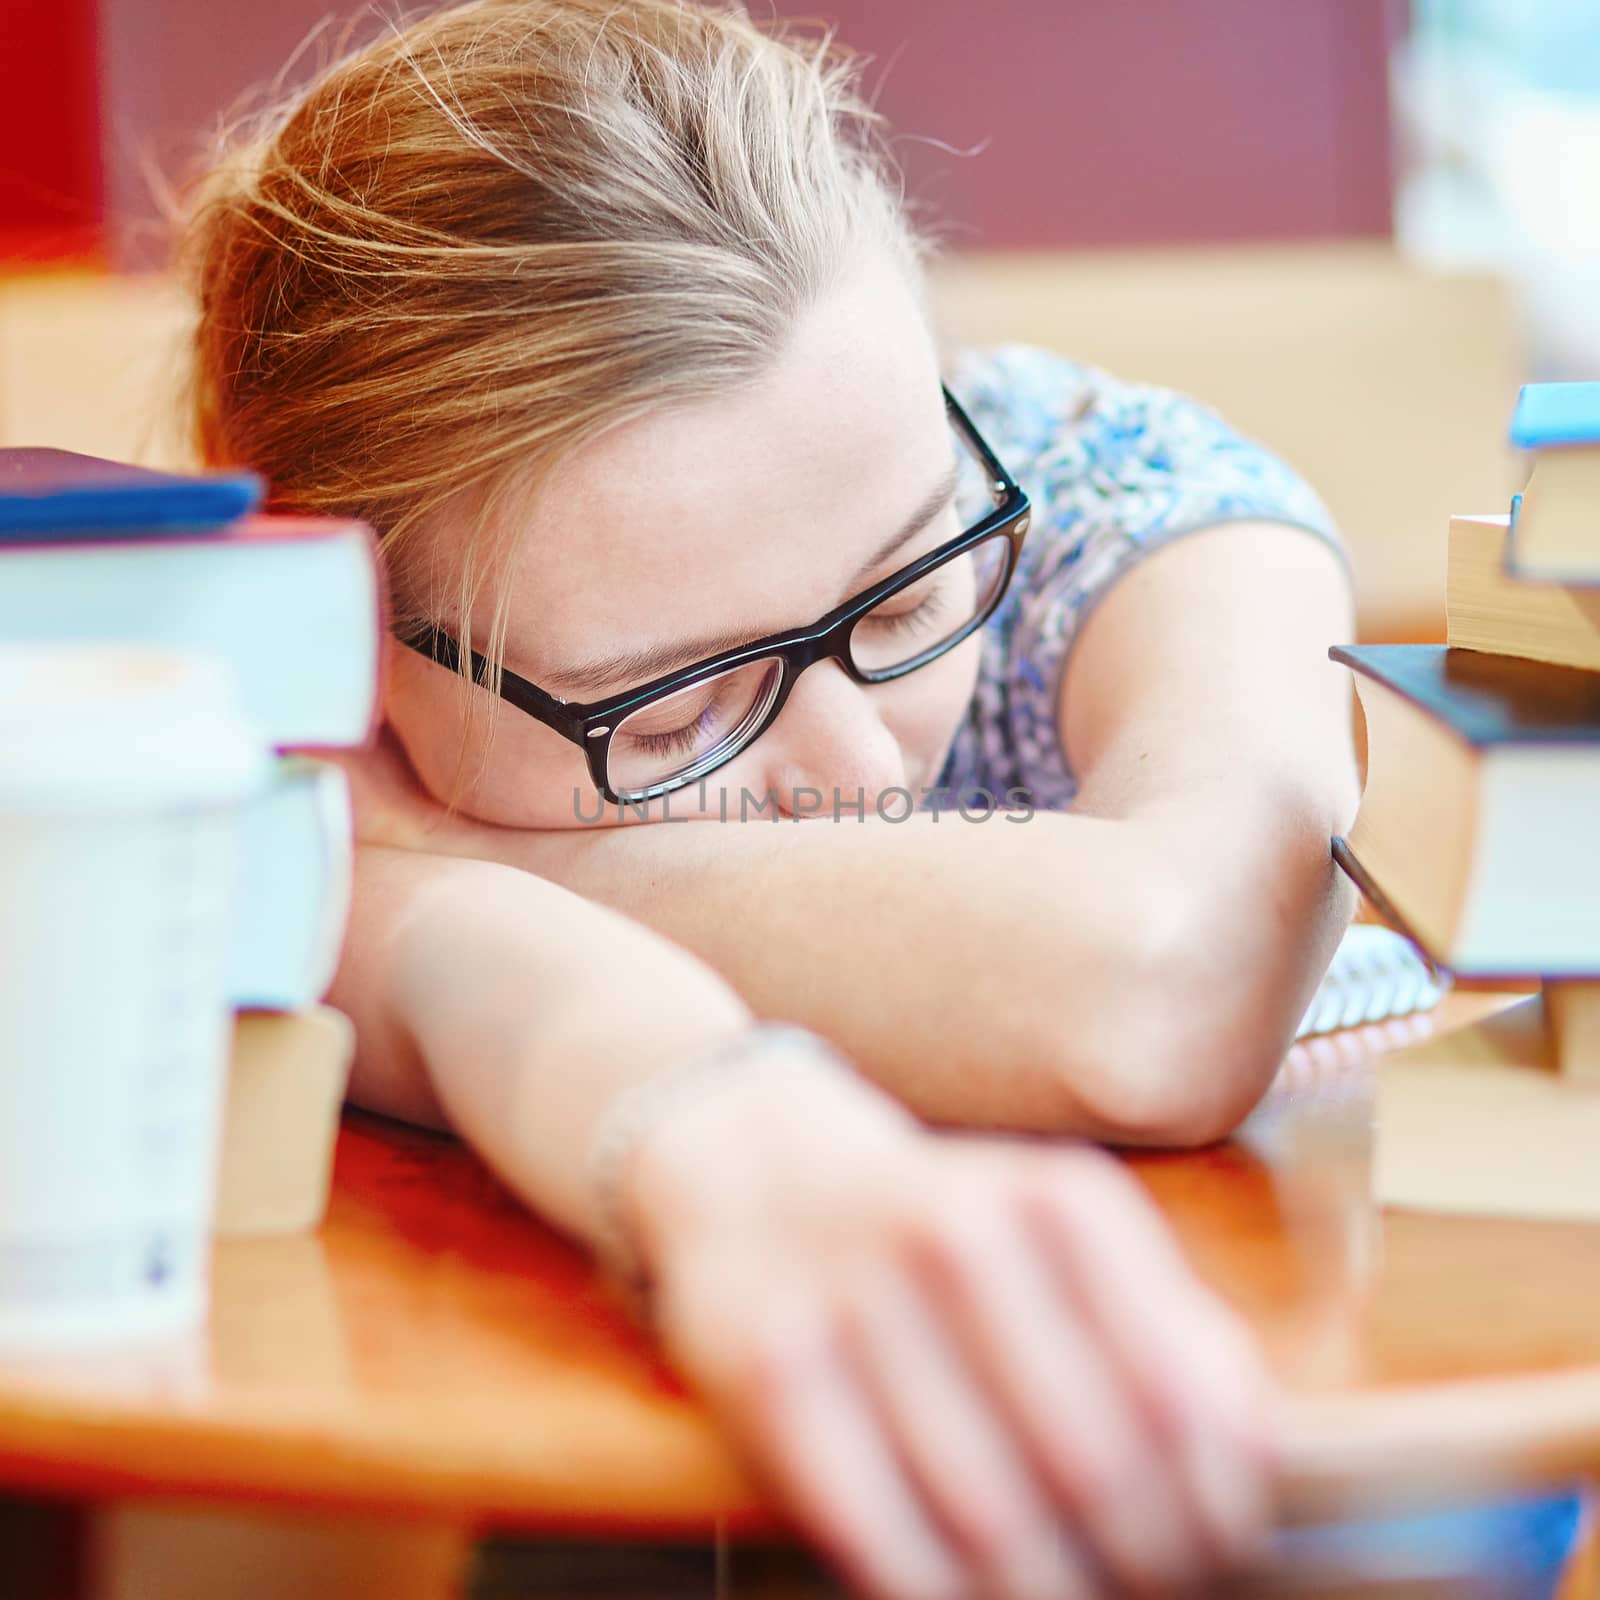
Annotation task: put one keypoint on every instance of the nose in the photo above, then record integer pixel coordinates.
(830, 751)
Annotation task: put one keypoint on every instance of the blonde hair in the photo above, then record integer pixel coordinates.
(490, 235)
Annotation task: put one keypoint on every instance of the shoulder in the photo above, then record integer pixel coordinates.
(1115, 469)
(1037, 401)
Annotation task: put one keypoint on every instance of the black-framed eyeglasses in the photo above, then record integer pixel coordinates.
(670, 732)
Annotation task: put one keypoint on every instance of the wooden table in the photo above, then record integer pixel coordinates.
(434, 1354)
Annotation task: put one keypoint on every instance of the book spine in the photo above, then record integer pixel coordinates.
(299, 613)
(292, 887)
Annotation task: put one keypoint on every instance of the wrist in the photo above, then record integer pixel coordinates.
(728, 1158)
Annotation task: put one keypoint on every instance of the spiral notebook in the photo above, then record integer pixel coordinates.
(1375, 974)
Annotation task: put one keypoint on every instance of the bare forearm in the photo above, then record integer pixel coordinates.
(524, 1011)
(1054, 974)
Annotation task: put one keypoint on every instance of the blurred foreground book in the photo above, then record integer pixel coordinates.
(102, 551)
(286, 1083)
(292, 604)
(295, 864)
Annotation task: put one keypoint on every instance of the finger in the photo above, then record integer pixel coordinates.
(973, 1479)
(1227, 1492)
(815, 1433)
(1189, 1360)
(1063, 1400)
(1108, 1238)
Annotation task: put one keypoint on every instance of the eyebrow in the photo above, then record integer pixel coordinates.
(653, 661)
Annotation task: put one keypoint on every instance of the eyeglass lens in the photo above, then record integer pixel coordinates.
(690, 732)
(931, 612)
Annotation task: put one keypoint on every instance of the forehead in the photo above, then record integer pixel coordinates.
(745, 512)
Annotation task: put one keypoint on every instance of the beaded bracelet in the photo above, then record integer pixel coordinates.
(637, 1109)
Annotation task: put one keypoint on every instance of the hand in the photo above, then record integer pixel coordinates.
(968, 1366)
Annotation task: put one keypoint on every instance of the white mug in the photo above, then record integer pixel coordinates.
(121, 771)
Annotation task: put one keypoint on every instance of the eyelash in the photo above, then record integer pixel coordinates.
(679, 741)
(684, 740)
(904, 621)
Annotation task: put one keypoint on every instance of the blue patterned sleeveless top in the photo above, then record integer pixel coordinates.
(1115, 470)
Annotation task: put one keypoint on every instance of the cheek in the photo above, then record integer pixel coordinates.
(526, 776)
(928, 706)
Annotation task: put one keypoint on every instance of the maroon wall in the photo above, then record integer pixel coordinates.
(1124, 122)
(50, 179)
(1100, 122)
(172, 72)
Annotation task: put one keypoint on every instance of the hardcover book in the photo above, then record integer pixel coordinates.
(50, 494)
(1556, 521)
(1477, 826)
(1488, 608)
(294, 604)
(292, 890)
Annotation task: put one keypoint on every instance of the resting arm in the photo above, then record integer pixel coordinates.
(804, 1235)
(1199, 705)
(1131, 970)
(489, 1001)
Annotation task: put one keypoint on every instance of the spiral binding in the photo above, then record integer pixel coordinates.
(1375, 974)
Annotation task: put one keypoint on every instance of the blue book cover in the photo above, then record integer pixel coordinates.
(58, 496)
(1556, 414)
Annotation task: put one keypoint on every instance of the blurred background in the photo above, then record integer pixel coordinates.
(1353, 226)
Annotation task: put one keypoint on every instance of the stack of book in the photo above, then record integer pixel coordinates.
(1478, 837)
(96, 551)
